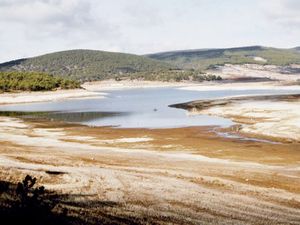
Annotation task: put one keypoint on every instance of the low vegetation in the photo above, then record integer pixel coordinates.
(26, 203)
(33, 81)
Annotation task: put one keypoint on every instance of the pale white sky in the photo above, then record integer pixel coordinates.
(34, 27)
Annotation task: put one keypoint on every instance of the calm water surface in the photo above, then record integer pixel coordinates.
(135, 108)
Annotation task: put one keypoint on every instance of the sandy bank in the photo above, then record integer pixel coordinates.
(29, 97)
(128, 84)
(271, 116)
(188, 85)
(214, 86)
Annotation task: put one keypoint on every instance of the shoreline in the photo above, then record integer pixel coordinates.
(135, 138)
(274, 117)
(257, 117)
(110, 85)
(47, 96)
(94, 89)
(97, 89)
(213, 86)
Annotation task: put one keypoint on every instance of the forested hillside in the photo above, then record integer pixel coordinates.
(86, 65)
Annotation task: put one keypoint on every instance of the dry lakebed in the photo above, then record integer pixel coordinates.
(247, 172)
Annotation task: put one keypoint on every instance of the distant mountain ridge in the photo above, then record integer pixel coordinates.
(205, 53)
(204, 58)
(297, 48)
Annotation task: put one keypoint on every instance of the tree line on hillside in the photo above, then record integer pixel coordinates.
(170, 75)
(33, 81)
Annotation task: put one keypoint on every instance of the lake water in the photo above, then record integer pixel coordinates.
(135, 108)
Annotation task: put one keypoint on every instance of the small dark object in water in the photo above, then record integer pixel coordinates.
(54, 172)
(155, 109)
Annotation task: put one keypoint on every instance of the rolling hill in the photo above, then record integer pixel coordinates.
(205, 58)
(86, 65)
(297, 49)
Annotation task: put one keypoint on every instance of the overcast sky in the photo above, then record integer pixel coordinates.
(34, 27)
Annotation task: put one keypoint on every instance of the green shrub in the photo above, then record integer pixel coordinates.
(33, 81)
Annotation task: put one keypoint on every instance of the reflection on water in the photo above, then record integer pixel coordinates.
(21, 114)
(75, 117)
(132, 108)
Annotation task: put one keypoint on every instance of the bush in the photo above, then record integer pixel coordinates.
(25, 203)
(33, 81)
